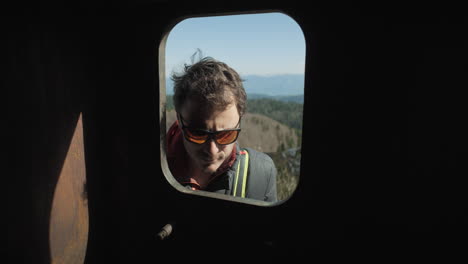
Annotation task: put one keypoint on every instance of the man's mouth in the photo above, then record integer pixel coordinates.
(207, 159)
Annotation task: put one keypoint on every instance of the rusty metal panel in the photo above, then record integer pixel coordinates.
(69, 216)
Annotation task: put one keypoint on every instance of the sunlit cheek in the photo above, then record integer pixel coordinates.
(225, 150)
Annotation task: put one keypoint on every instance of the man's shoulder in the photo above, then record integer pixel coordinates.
(262, 176)
(257, 157)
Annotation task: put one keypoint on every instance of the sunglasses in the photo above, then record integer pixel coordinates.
(200, 136)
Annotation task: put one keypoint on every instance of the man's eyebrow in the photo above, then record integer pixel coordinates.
(222, 129)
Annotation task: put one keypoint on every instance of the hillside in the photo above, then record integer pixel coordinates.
(288, 113)
(288, 164)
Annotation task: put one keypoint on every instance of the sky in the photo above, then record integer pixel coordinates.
(258, 44)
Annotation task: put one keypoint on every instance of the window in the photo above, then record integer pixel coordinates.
(267, 50)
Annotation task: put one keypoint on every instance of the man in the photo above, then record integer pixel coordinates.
(202, 148)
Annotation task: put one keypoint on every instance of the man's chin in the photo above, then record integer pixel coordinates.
(209, 170)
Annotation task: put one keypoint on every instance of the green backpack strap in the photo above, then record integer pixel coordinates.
(240, 181)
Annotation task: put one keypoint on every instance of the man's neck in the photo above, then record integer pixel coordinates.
(199, 176)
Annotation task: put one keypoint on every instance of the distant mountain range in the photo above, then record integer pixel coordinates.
(287, 87)
(285, 98)
(274, 85)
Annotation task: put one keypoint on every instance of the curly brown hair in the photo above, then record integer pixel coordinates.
(212, 83)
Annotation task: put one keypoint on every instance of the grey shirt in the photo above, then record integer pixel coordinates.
(261, 179)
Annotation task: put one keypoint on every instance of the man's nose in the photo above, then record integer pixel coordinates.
(213, 146)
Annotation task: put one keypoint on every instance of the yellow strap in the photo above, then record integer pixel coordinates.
(237, 178)
(244, 179)
(246, 168)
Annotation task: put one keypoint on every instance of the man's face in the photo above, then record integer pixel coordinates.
(209, 155)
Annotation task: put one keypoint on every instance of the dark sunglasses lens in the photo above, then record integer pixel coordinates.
(226, 137)
(196, 136)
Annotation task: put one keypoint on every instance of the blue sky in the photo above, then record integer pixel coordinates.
(260, 44)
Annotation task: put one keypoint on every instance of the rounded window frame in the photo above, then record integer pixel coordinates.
(161, 51)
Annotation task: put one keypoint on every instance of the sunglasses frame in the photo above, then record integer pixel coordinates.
(211, 135)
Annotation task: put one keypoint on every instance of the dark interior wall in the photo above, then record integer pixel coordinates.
(44, 77)
(384, 136)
